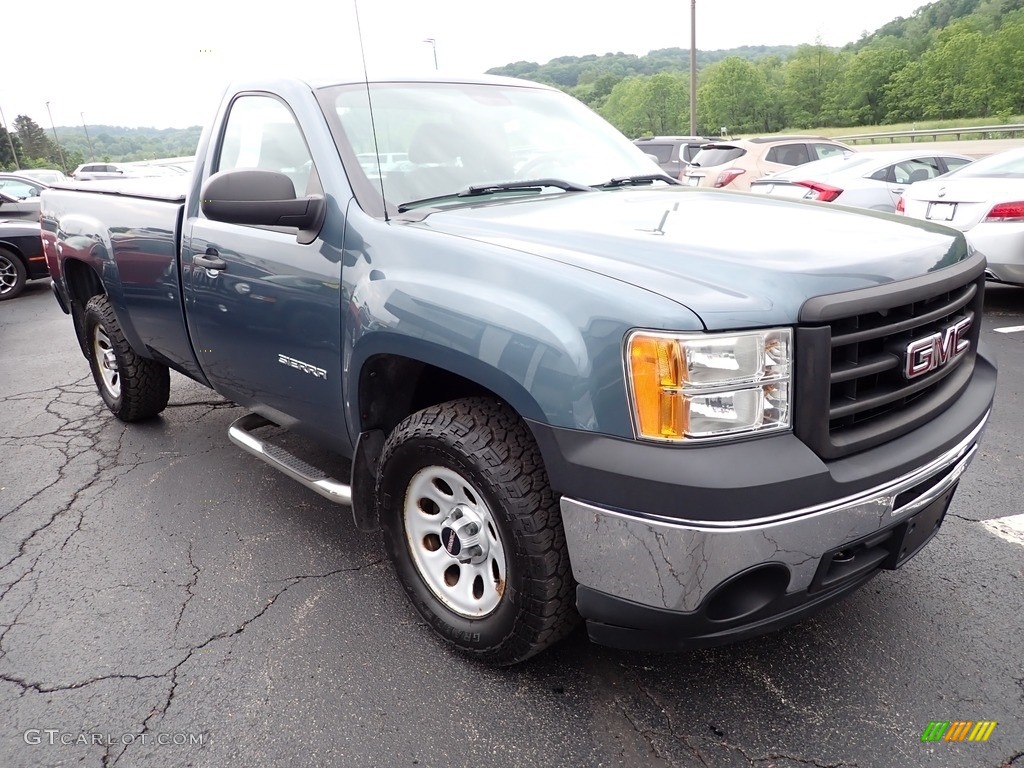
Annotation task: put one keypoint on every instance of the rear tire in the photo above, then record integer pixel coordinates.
(133, 387)
(474, 531)
(13, 275)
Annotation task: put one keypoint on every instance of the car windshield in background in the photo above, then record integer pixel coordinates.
(437, 139)
(1005, 165)
(709, 157)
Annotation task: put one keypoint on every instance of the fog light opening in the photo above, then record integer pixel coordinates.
(747, 593)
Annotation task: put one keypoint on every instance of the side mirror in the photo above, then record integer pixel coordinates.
(262, 198)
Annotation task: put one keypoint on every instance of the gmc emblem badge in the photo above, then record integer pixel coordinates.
(932, 352)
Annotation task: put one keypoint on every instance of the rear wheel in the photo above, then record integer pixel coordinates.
(133, 387)
(12, 275)
(474, 531)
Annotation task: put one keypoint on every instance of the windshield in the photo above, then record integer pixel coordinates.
(1005, 165)
(436, 139)
(720, 154)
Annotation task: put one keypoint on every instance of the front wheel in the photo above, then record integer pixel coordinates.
(133, 387)
(474, 531)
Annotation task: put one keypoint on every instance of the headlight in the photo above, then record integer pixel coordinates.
(690, 386)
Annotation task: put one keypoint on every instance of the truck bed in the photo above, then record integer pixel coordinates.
(129, 232)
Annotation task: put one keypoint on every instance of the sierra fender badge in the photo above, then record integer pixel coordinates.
(932, 352)
(298, 365)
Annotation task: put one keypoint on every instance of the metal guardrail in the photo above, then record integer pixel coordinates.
(1010, 131)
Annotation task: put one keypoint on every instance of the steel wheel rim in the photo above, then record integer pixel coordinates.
(8, 275)
(106, 361)
(471, 590)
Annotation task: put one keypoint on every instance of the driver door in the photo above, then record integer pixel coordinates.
(263, 309)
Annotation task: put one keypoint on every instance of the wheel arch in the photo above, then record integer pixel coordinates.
(395, 379)
(81, 283)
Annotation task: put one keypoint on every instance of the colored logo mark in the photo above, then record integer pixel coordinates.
(958, 730)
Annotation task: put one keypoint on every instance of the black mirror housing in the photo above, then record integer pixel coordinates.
(261, 198)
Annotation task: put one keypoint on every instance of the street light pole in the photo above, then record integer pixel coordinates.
(92, 153)
(63, 164)
(693, 67)
(433, 44)
(10, 141)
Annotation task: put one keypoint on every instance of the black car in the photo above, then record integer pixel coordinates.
(673, 152)
(21, 256)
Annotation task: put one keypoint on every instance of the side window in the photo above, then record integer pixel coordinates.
(883, 174)
(822, 151)
(952, 163)
(911, 171)
(788, 154)
(661, 151)
(262, 133)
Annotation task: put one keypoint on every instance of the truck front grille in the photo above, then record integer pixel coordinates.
(853, 389)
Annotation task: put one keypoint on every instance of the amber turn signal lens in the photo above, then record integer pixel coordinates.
(655, 367)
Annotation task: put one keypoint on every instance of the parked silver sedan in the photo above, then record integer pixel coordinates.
(984, 200)
(872, 180)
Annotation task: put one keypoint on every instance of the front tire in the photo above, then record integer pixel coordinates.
(13, 275)
(474, 531)
(133, 387)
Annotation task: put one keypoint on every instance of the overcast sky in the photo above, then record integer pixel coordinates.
(166, 64)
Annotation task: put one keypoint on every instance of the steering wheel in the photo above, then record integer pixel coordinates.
(545, 164)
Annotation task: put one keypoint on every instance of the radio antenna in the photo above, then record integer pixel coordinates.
(369, 104)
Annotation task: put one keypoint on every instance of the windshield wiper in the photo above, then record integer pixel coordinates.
(477, 190)
(622, 181)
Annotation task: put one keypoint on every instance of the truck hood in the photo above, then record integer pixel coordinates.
(734, 259)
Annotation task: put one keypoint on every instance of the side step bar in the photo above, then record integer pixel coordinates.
(277, 457)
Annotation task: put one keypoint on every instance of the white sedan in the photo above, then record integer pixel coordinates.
(985, 201)
(873, 180)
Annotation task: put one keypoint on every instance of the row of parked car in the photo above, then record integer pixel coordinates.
(982, 198)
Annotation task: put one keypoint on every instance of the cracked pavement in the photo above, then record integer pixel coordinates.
(157, 582)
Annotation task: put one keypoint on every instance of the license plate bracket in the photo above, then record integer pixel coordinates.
(941, 211)
(917, 530)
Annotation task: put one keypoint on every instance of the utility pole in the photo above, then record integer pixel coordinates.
(60, 151)
(92, 153)
(693, 67)
(433, 44)
(10, 141)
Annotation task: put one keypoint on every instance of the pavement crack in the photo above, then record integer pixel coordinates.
(1013, 761)
(648, 734)
(672, 732)
(27, 686)
(327, 574)
(188, 589)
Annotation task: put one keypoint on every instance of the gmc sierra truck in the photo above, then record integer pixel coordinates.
(561, 384)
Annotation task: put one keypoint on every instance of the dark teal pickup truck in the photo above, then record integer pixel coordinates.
(562, 384)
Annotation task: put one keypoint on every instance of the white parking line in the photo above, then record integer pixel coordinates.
(1010, 329)
(1010, 528)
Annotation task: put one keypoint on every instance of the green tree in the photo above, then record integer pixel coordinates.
(1005, 61)
(858, 95)
(734, 96)
(7, 160)
(653, 106)
(951, 79)
(810, 73)
(33, 138)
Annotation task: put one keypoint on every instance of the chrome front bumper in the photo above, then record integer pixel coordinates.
(675, 566)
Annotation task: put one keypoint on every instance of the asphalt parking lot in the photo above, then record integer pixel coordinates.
(168, 600)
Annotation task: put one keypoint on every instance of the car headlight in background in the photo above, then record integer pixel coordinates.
(691, 386)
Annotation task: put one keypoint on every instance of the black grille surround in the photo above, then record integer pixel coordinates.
(851, 393)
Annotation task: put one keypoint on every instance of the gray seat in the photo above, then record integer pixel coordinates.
(918, 174)
(448, 159)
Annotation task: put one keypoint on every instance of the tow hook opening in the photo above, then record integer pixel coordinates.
(746, 593)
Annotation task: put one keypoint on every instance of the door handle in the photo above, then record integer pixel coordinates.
(210, 260)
